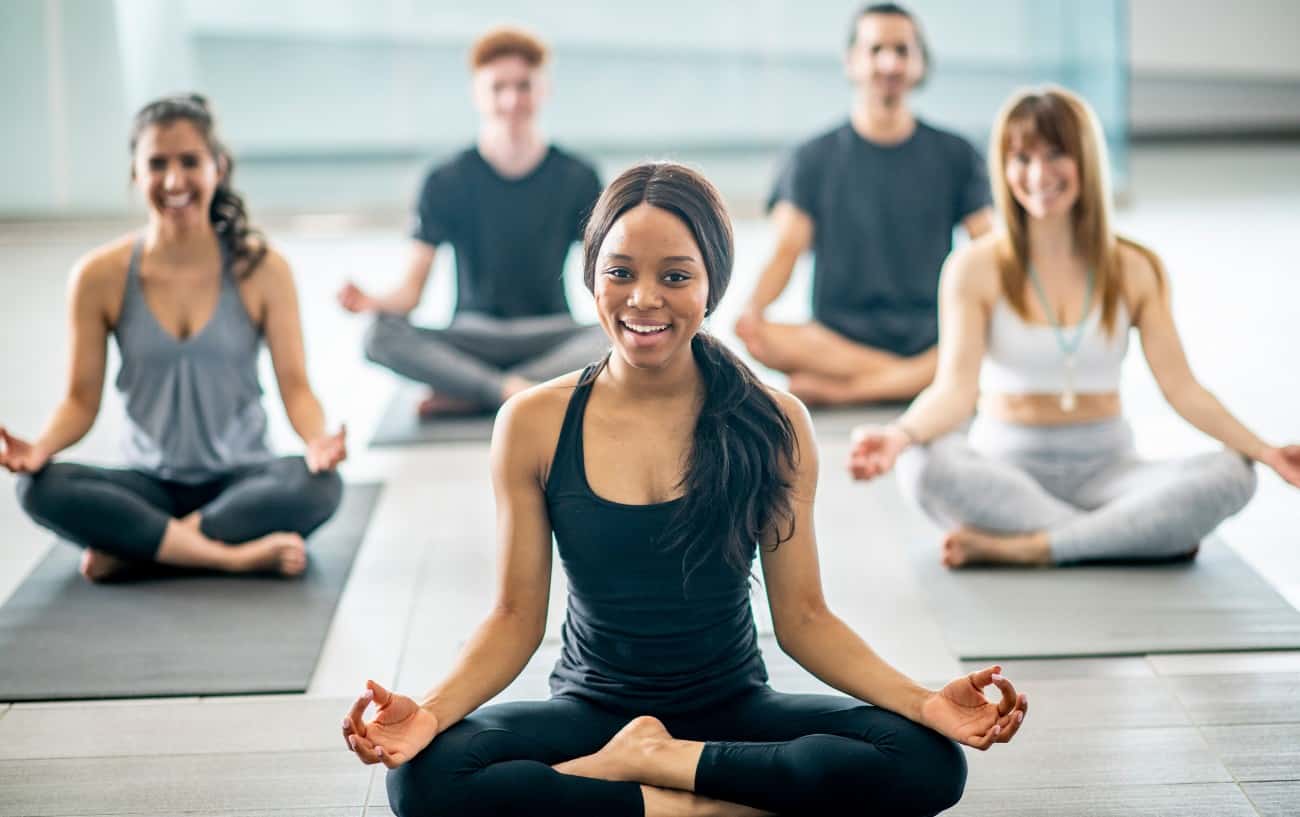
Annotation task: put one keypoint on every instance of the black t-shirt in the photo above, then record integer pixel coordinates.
(511, 236)
(883, 218)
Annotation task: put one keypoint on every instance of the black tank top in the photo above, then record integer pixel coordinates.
(634, 639)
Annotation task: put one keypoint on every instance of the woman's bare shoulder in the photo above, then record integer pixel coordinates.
(98, 277)
(528, 425)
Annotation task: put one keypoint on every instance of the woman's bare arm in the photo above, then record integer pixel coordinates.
(501, 646)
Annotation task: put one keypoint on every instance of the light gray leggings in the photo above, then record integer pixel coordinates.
(471, 358)
(1084, 485)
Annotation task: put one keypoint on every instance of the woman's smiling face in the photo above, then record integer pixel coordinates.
(651, 286)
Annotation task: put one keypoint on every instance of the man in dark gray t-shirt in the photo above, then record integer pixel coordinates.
(876, 199)
(511, 207)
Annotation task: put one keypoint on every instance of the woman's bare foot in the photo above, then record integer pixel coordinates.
(968, 546)
(625, 756)
(440, 405)
(98, 566)
(283, 553)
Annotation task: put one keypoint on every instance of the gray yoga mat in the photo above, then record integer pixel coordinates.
(401, 425)
(1214, 603)
(62, 637)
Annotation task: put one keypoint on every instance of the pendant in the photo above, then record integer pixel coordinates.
(1068, 401)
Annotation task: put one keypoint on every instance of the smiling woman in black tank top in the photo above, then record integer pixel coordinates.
(662, 472)
(189, 300)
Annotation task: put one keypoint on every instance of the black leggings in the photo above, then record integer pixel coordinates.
(789, 754)
(125, 513)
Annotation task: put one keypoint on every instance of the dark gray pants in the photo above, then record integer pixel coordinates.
(472, 357)
(125, 513)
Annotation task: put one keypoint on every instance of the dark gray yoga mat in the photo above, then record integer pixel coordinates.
(62, 637)
(1214, 603)
(401, 425)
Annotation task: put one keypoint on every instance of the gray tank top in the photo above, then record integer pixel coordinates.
(194, 406)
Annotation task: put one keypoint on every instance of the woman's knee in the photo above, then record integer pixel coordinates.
(939, 776)
(1241, 477)
(43, 494)
(926, 472)
(434, 782)
(931, 770)
(316, 496)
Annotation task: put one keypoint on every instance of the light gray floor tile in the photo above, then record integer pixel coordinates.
(108, 703)
(1049, 669)
(163, 785)
(1191, 800)
(1119, 702)
(1279, 799)
(1225, 663)
(1242, 698)
(354, 811)
(1260, 752)
(213, 726)
(1057, 758)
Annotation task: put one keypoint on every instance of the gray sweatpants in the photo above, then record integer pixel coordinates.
(471, 358)
(1083, 484)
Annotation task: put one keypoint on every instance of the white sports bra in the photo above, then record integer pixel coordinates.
(1024, 358)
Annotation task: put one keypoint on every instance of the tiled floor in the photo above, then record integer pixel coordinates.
(1214, 734)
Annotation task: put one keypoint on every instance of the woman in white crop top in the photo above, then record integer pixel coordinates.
(1048, 473)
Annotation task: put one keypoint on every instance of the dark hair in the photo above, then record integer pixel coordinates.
(244, 244)
(737, 485)
(894, 8)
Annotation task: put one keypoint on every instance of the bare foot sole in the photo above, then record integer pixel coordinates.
(621, 758)
(440, 405)
(283, 553)
(98, 566)
(968, 546)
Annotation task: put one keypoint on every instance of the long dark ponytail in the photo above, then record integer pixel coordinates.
(737, 486)
(244, 244)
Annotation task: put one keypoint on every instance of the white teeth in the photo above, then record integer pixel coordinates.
(646, 329)
(177, 201)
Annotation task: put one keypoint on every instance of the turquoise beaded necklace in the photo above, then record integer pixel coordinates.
(1068, 346)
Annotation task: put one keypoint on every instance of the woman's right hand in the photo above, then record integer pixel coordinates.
(1285, 461)
(19, 456)
(354, 300)
(875, 449)
(400, 730)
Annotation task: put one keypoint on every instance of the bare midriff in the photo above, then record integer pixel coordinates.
(1045, 409)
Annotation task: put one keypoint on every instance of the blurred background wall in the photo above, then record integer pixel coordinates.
(339, 105)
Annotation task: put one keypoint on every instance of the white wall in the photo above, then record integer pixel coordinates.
(1206, 67)
(1244, 39)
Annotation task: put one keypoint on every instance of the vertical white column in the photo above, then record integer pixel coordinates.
(56, 93)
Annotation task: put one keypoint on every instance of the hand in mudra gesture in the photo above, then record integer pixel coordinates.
(960, 710)
(398, 732)
(874, 450)
(1285, 461)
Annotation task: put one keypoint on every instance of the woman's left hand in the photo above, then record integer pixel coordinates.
(960, 710)
(1285, 461)
(327, 451)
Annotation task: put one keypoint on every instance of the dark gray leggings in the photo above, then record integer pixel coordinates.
(472, 357)
(788, 754)
(125, 513)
